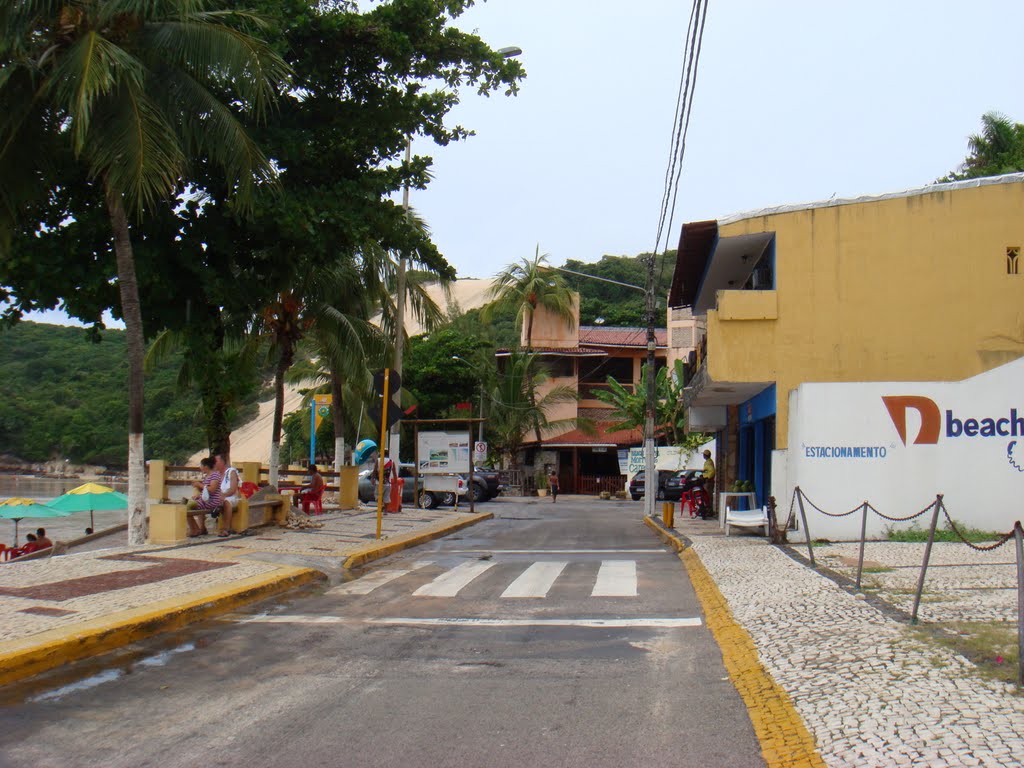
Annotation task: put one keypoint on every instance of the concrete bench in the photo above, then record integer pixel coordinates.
(167, 523)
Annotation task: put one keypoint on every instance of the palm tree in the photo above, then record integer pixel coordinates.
(514, 407)
(998, 149)
(527, 285)
(135, 89)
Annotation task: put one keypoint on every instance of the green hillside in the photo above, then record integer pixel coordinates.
(65, 396)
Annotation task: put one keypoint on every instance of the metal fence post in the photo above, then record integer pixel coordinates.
(927, 556)
(803, 519)
(863, 537)
(1018, 534)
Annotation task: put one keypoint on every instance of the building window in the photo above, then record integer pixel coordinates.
(1011, 260)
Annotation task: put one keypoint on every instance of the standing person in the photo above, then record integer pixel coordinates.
(709, 483)
(228, 490)
(553, 485)
(390, 473)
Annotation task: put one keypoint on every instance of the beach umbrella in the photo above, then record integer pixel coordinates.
(90, 498)
(17, 509)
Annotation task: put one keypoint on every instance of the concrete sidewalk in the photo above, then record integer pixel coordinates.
(61, 609)
(837, 677)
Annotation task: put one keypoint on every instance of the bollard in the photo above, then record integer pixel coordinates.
(927, 557)
(668, 514)
(1018, 535)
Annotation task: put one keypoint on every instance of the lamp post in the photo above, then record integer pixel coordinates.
(508, 52)
(480, 433)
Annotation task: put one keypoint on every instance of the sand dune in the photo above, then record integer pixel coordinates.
(251, 442)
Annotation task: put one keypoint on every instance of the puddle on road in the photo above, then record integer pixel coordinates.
(110, 675)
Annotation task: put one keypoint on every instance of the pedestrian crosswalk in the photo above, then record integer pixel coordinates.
(612, 578)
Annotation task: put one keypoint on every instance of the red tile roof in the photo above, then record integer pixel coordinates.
(603, 436)
(620, 337)
(568, 351)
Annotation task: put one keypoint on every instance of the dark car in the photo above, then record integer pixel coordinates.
(681, 481)
(486, 485)
(638, 485)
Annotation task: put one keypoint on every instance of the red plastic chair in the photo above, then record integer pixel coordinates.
(316, 500)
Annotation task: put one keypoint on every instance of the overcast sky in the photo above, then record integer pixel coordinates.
(795, 101)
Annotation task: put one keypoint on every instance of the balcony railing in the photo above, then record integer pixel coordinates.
(588, 388)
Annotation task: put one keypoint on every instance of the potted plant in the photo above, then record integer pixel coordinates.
(542, 483)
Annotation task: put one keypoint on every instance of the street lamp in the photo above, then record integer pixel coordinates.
(508, 52)
(480, 436)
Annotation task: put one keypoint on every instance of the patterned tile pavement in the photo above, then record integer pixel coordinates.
(42, 595)
(869, 691)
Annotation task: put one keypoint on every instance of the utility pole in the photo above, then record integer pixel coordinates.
(651, 481)
(396, 430)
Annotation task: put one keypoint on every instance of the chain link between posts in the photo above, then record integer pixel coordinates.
(827, 514)
(977, 547)
(949, 520)
(929, 508)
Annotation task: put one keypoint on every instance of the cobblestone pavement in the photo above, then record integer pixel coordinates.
(62, 592)
(869, 691)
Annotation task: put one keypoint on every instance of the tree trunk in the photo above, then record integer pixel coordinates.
(131, 312)
(338, 417)
(283, 363)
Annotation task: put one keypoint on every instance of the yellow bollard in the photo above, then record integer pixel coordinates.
(668, 514)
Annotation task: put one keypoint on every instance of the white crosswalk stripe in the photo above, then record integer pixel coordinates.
(450, 583)
(616, 578)
(536, 580)
(367, 584)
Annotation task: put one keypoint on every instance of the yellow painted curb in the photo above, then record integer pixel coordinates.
(666, 535)
(47, 650)
(378, 550)
(785, 740)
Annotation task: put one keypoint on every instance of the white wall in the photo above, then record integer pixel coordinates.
(980, 475)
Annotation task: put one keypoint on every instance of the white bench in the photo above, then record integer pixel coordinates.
(753, 518)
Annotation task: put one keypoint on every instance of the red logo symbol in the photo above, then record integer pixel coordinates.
(931, 419)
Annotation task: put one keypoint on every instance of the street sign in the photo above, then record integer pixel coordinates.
(479, 452)
(394, 403)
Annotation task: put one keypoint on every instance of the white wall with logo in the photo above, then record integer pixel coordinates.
(846, 448)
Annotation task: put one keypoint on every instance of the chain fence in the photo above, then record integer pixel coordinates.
(801, 502)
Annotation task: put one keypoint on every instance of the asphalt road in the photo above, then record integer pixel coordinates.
(557, 634)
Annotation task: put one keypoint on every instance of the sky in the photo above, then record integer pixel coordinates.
(794, 102)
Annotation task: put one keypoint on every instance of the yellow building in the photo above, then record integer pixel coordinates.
(921, 285)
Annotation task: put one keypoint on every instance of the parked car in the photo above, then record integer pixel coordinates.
(638, 485)
(368, 484)
(681, 481)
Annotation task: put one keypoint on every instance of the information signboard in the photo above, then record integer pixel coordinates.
(444, 453)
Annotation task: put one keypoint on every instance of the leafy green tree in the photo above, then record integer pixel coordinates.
(135, 90)
(603, 303)
(437, 381)
(998, 149)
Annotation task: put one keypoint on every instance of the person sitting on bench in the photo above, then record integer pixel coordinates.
(207, 500)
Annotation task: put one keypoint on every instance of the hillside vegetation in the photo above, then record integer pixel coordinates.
(63, 396)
